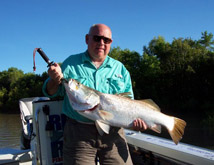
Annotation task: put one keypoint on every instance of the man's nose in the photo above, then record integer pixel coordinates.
(102, 41)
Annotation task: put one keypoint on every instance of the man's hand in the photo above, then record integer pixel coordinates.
(139, 125)
(55, 74)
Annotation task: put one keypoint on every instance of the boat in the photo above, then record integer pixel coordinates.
(42, 140)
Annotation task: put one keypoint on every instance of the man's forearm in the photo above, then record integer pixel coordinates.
(52, 87)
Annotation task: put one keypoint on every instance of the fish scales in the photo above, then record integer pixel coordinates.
(126, 111)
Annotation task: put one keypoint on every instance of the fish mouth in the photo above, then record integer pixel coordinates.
(91, 109)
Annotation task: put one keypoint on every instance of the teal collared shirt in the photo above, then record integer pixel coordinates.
(111, 77)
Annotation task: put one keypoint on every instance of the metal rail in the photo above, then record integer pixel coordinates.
(163, 149)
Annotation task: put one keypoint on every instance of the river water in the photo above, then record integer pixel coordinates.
(10, 131)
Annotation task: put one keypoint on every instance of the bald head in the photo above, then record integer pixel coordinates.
(100, 27)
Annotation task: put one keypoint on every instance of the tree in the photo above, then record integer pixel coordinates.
(16, 85)
(207, 40)
(185, 72)
(7, 80)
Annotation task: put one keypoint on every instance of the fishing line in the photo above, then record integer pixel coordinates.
(34, 63)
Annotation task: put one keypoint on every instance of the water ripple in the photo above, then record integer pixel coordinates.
(10, 130)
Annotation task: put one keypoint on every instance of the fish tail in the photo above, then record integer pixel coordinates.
(178, 130)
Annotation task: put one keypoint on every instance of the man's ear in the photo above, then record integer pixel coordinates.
(86, 38)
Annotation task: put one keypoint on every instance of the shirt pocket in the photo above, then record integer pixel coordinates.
(116, 85)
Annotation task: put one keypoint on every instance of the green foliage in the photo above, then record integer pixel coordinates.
(3, 93)
(185, 79)
(207, 40)
(16, 85)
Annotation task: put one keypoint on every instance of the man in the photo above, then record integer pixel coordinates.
(93, 68)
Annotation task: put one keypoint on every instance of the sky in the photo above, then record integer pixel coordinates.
(59, 26)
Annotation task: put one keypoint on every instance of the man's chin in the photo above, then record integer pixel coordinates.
(100, 53)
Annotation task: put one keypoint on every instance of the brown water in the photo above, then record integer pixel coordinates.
(10, 130)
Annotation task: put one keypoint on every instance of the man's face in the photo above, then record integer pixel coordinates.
(99, 42)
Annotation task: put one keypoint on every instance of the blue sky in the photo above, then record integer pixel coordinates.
(59, 26)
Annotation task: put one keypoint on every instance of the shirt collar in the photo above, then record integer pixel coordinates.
(106, 63)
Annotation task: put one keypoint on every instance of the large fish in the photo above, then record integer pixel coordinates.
(120, 111)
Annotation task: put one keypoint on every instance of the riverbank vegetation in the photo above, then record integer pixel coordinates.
(178, 76)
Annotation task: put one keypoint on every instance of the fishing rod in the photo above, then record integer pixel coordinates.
(47, 60)
(44, 56)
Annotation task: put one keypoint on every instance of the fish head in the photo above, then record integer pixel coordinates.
(80, 96)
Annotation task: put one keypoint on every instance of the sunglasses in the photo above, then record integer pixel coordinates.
(105, 39)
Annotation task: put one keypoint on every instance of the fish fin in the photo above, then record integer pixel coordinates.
(156, 128)
(102, 127)
(125, 94)
(178, 130)
(151, 104)
(105, 115)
